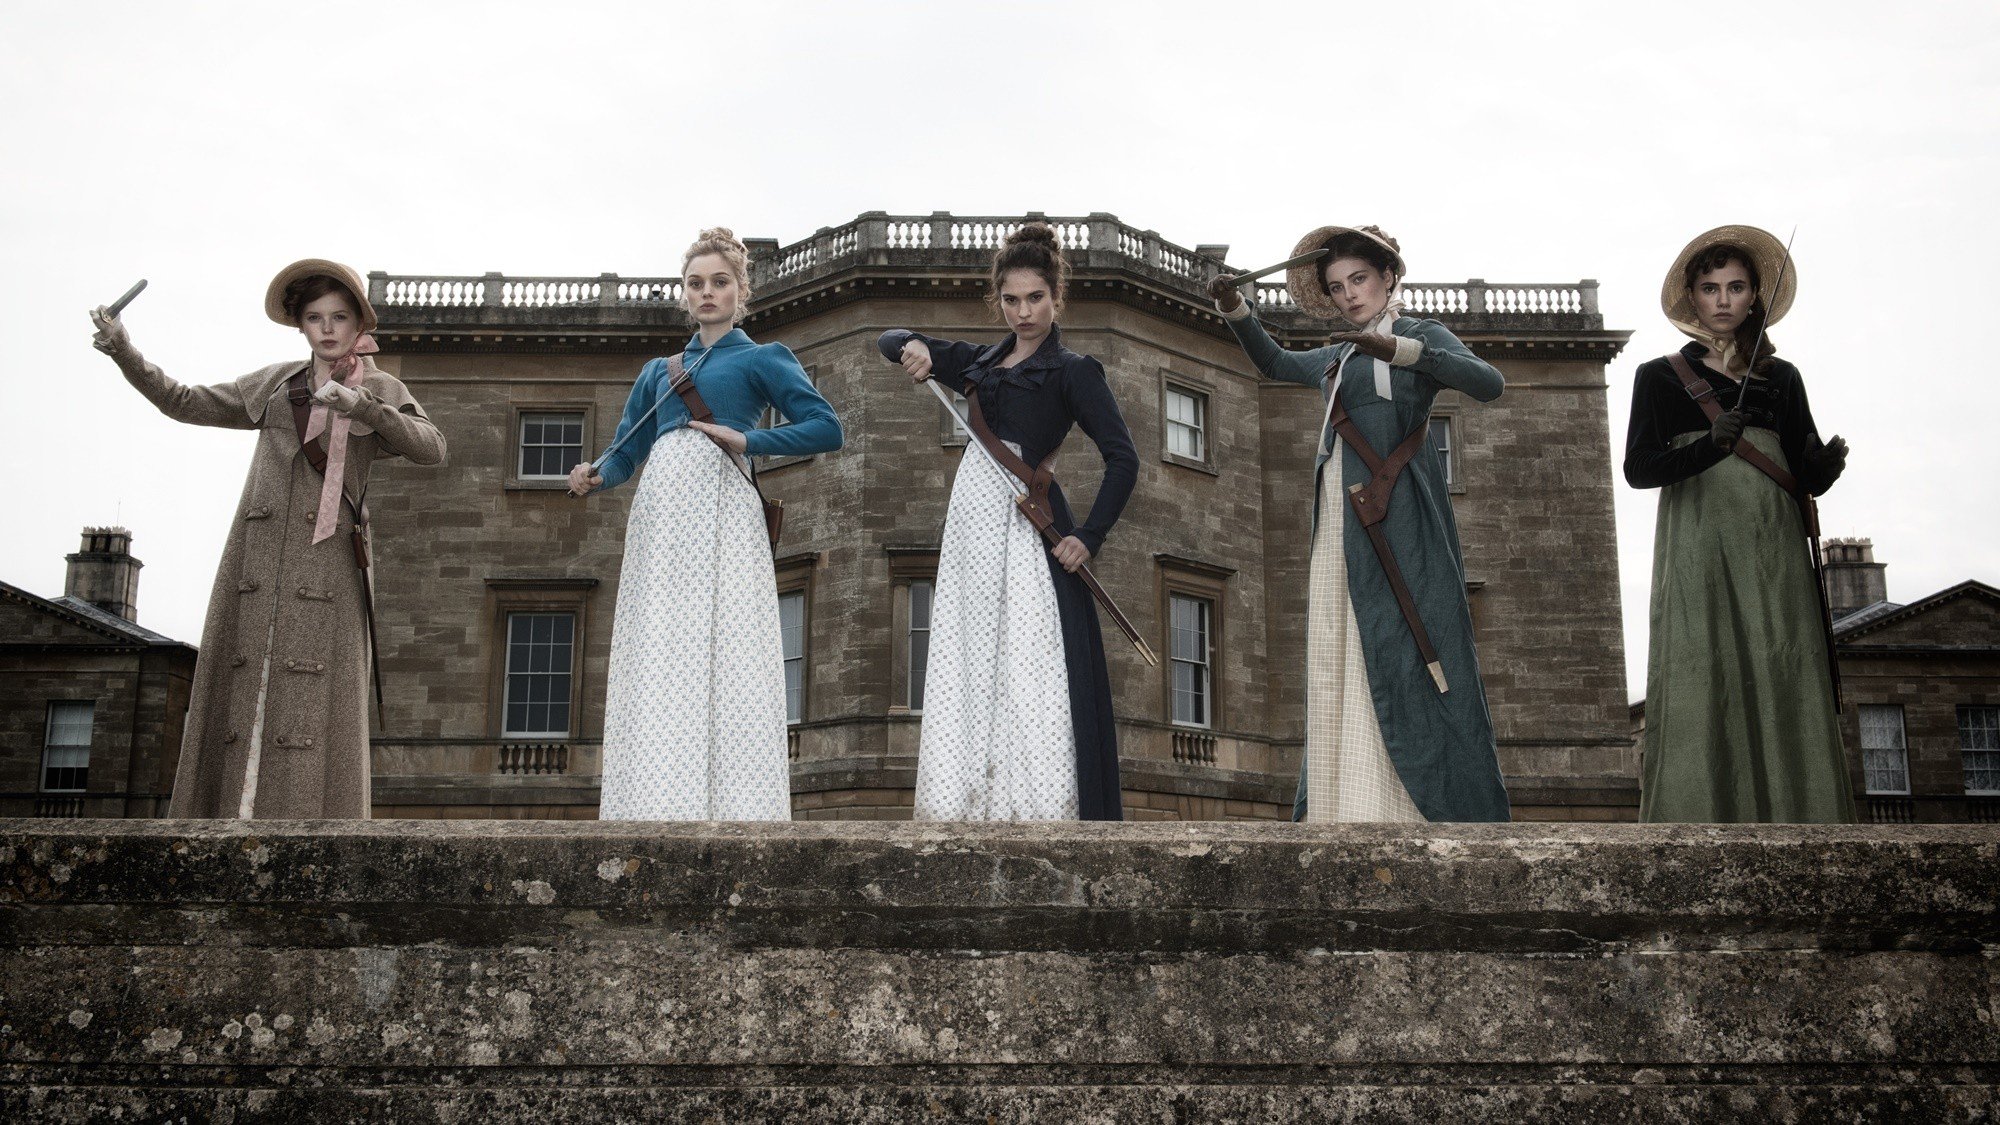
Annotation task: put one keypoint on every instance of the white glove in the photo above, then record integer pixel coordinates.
(110, 337)
(338, 396)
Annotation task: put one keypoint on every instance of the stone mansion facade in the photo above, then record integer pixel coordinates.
(496, 590)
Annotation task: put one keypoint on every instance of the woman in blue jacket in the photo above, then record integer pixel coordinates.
(694, 713)
(1017, 701)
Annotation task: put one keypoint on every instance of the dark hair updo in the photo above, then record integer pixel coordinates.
(306, 290)
(1752, 329)
(1033, 246)
(1351, 245)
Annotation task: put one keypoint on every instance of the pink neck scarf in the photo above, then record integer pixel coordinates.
(347, 372)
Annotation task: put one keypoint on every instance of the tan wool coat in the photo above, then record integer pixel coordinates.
(278, 725)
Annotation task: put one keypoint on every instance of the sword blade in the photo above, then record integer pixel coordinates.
(944, 397)
(1089, 579)
(1765, 328)
(1288, 263)
(118, 306)
(598, 464)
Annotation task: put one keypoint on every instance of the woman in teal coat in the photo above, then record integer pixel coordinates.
(1393, 733)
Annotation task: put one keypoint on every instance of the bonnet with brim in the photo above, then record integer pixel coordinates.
(1305, 282)
(274, 295)
(1767, 257)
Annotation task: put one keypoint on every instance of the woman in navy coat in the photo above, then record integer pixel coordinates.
(1016, 690)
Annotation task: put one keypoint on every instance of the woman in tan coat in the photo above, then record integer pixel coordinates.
(278, 725)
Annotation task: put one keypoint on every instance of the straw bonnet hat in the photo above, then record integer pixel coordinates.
(274, 295)
(1767, 257)
(1308, 290)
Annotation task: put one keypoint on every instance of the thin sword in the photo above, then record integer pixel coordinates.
(1288, 263)
(598, 464)
(118, 306)
(1083, 571)
(1765, 325)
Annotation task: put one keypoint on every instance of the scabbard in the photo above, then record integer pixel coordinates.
(375, 653)
(1379, 539)
(1810, 509)
(1044, 524)
(360, 542)
(1034, 504)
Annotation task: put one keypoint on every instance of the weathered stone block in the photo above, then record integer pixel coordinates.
(450, 971)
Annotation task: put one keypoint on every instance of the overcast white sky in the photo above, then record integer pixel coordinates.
(204, 145)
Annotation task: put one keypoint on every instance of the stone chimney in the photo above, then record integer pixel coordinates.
(104, 573)
(1854, 580)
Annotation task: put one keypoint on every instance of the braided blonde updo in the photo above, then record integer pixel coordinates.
(723, 241)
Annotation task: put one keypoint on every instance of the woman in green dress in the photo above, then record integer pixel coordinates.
(1741, 723)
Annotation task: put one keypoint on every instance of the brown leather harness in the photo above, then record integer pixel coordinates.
(1704, 396)
(1370, 501)
(299, 393)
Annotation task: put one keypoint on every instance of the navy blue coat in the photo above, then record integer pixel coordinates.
(1035, 403)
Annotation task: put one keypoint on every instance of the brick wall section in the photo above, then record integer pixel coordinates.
(141, 697)
(1930, 664)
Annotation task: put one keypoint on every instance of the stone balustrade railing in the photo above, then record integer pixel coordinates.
(495, 290)
(1470, 297)
(1097, 243)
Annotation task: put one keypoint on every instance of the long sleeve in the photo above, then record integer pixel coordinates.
(219, 405)
(1651, 460)
(949, 358)
(1087, 393)
(406, 431)
(1446, 359)
(623, 460)
(1275, 362)
(810, 424)
(1796, 432)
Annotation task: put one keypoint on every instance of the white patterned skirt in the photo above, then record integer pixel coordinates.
(694, 712)
(997, 743)
(1349, 776)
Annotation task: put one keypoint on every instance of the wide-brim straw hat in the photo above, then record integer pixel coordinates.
(274, 295)
(1767, 256)
(1305, 282)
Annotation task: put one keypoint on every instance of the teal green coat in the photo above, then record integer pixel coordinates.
(1442, 745)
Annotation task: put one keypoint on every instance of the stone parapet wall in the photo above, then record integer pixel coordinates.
(1014, 973)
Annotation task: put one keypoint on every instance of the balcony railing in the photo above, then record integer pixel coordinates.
(1097, 244)
(532, 758)
(1194, 747)
(59, 806)
(498, 291)
(1475, 297)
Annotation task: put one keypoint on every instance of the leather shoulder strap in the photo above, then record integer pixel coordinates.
(1697, 387)
(1340, 423)
(682, 384)
(1704, 396)
(298, 391)
(1036, 477)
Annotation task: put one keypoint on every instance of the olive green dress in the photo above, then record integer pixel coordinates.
(1740, 716)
